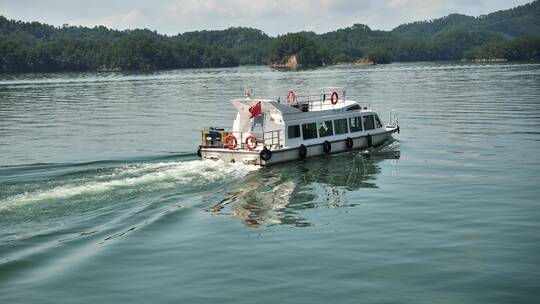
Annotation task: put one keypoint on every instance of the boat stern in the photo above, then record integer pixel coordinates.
(232, 156)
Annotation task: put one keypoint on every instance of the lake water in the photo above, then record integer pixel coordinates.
(103, 199)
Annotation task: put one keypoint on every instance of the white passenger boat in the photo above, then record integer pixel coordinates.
(267, 132)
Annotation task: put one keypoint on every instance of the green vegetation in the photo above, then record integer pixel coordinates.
(523, 48)
(249, 46)
(307, 51)
(519, 21)
(378, 56)
(38, 47)
(31, 46)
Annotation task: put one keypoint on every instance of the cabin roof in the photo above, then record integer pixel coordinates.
(285, 110)
(267, 105)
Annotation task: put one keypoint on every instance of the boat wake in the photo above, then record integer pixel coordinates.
(40, 193)
(105, 183)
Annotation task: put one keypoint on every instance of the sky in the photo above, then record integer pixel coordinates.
(272, 16)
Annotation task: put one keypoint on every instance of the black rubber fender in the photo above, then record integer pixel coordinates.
(302, 151)
(199, 154)
(349, 143)
(369, 140)
(266, 154)
(327, 147)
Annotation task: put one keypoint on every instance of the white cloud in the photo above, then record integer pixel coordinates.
(300, 9)
(418, 10)
(221, 9)
(271, 16)
(130, 19)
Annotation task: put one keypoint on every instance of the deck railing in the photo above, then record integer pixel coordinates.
(215, 138)
(273, 139)
(312, 102)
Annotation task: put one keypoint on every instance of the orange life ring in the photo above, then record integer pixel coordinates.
(291, 97)
(251, 145)
(334, 98)
(230, 142)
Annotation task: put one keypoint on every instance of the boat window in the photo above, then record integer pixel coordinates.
(325, 128)
(369, 124)
(341, 126)
(378, 123)
(293, 131)
(355, 123)
(309, 130)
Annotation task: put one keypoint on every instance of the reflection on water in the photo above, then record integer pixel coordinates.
(278, 194)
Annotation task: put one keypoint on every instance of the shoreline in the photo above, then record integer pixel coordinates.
(282, 68)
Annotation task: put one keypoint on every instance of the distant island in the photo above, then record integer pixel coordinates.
(507, 35)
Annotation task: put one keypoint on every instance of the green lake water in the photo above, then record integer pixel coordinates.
(103, 199)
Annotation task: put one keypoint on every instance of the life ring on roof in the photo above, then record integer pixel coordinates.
(291, 97)
(334, 98)
(230, 142)
(251, 142)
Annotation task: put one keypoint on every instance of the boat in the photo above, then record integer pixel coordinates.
(267, 131)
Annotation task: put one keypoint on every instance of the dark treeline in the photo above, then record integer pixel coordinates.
(523, 48)
(519, 21)
(39, 47)
(306, 50)
(31, 46)
(249, 46)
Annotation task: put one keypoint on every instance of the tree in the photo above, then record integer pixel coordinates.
(307, 52)
(378, 56)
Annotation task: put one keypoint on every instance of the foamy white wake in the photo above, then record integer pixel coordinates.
(153, 175)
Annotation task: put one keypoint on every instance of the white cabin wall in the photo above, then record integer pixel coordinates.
(296, 142)
(273, 121)
(236, 123)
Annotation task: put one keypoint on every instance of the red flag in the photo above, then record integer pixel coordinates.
(255, 110)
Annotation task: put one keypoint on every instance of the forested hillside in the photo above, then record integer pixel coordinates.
(39, 47)
(250, 46)
(519, 21)
(512, 34)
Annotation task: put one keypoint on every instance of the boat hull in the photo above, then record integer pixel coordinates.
(291, 154)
